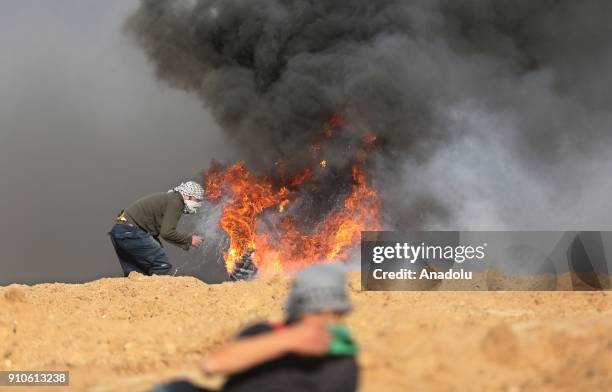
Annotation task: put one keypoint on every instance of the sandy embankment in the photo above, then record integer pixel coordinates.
(127, 334)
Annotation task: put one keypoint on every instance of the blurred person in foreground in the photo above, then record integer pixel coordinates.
(311, 351)
(137, 231)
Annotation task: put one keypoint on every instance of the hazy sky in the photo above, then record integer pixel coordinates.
(488, 131)
(85, 129)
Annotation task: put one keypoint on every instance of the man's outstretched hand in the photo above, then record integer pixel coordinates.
(309, 339)
(196, 241)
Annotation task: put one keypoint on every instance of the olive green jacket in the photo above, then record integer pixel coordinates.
(158, 214)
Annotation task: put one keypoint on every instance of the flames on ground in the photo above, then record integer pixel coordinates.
(266, 213)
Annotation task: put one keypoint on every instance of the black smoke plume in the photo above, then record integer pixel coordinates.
(490, 113)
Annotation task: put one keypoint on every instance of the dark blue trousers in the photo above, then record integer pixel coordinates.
(138, 251)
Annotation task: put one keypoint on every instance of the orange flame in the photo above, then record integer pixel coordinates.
(333, 124)
(283, 248)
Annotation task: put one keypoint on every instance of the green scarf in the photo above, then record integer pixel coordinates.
(342, 342)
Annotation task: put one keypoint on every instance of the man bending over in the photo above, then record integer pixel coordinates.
(136, 234)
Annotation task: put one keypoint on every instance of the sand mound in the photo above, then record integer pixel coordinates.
(128, 334)
(14, 294)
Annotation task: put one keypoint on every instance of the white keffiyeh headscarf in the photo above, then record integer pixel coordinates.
(193, 189)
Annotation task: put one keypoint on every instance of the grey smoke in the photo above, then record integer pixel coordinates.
(493, 114)
(84, 131)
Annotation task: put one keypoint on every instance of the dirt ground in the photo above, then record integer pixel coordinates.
(128, 334)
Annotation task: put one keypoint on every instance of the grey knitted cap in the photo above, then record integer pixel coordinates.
(318, 288)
